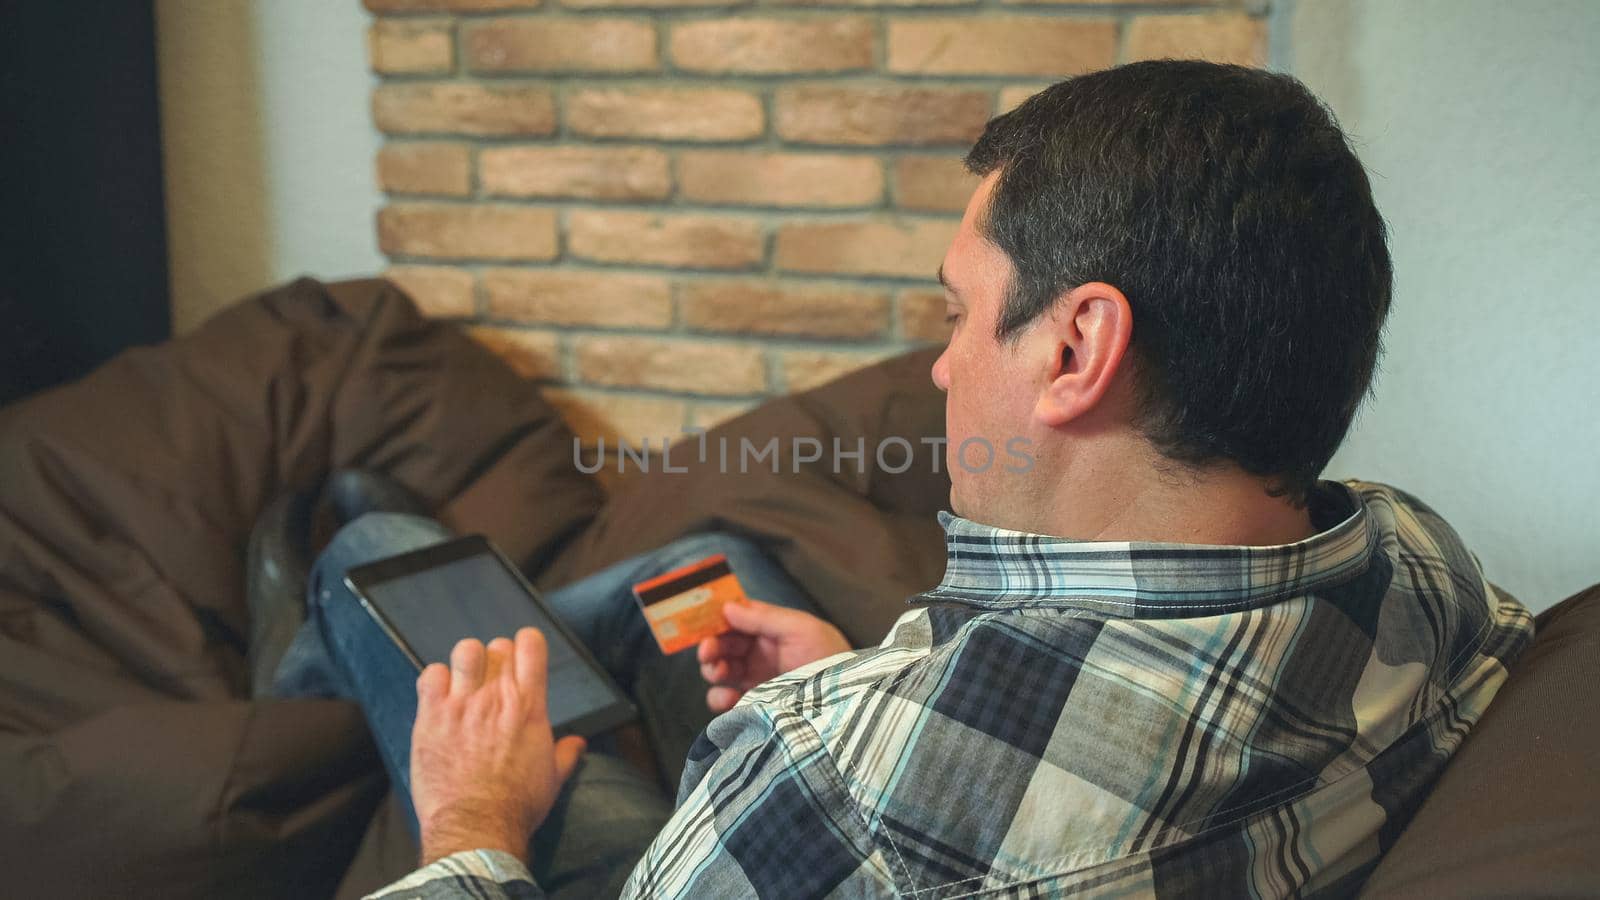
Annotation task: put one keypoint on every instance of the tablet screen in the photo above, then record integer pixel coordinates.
(476, 596)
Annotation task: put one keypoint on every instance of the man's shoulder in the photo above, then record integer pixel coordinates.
(823, 689)
(1398, 511)
(1434, 590)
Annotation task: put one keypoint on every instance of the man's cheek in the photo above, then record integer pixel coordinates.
(954, 430)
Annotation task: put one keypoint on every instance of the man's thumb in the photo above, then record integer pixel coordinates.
(755, 617)
(569, 750)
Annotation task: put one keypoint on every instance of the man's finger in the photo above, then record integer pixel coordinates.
(723, 671)
(497, 660)
(754, 617)
(569, 750)
(433, 683)
(530, 658)
(467, 661)
(721, 698)
(727, 644)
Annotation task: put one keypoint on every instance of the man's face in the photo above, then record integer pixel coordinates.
(989, 392)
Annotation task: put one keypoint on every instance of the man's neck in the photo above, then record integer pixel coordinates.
(1143, 500)
(1232, 513)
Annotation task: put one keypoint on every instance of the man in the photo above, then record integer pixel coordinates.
(1164, 658)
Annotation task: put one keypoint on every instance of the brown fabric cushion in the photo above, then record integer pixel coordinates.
(1517, 811)
(130, 764)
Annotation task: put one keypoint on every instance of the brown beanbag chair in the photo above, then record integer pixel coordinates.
(131, 762)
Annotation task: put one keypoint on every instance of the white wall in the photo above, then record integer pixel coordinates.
(1479, 121)
(268, 146)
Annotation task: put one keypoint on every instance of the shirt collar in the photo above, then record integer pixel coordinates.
(1003, 569)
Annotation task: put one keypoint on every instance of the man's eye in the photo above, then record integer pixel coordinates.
(951, 318)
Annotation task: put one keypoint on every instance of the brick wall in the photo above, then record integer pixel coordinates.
(670, 209)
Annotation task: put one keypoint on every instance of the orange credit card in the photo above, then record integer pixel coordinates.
(685, 605)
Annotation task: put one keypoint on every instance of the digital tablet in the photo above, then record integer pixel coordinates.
(429, 599)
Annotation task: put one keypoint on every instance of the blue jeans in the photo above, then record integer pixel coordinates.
(609, 812)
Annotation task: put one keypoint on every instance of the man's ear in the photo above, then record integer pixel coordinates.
(1087, 332)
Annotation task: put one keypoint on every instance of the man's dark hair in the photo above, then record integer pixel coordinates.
(1226, 205)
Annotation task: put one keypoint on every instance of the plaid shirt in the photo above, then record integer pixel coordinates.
(1108, 718)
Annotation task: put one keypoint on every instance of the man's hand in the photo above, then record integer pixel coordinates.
(485, 769)
(766, 641)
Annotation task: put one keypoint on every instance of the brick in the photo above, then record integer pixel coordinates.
(1012, 97)
(432, 167)
(561, 45)
(874, 3)
(880, 115)
(744, 178)
(384, 6)
(684, 240)
(596, 173)
(467, 231)
(933, 183)
(701, 367)
(904, 247)
(762, 307)
(531, 354)
(440, 291)
(1121, 2)
(650, 4)
(772, 46)
(671, 114)
(405, 47)
(806, 369)
(562, 297)
(709, 415)
(618, 418)
(463, 109)
(1001, 45)
(921, 314)
(1219, 37)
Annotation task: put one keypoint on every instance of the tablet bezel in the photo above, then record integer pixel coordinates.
(365, 577)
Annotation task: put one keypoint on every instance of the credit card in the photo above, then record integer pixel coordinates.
(685, 605)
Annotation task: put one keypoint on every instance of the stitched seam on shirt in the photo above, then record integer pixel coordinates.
(1253, 601)
(843, 785)
(1070, 599)
(1067, 598)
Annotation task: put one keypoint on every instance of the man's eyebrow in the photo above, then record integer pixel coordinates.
(946, 282)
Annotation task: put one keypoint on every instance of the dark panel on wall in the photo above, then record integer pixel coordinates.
(81, 208)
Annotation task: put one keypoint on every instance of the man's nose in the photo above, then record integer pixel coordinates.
(941, 371)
